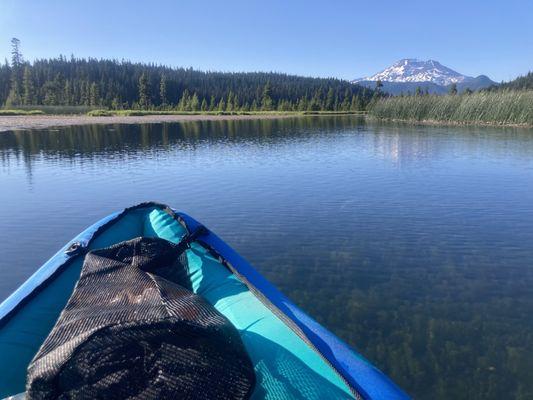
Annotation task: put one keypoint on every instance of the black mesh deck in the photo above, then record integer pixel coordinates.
(133, 330)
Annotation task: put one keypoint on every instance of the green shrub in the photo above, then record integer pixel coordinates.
(100, 113)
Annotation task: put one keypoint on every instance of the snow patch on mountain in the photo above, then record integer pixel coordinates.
(413, 70)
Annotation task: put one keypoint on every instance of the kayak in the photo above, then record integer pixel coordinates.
(292, 355)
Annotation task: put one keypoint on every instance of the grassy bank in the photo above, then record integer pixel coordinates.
(51, 110)
(137, 113)
(495, 108)
(21, 112)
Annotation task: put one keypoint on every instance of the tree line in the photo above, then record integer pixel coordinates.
(123, 84)
(521, 83)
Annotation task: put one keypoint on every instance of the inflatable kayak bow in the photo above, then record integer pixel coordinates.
(292, 355)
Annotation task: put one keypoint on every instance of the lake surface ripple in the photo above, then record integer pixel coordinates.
(413, 244)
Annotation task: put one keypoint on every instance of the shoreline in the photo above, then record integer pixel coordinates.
(46, 121)
(31, 122)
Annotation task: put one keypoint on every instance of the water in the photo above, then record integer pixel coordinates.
(413, 244)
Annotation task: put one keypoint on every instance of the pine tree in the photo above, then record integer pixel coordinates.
(346, 100)
(184, 103)
(163, 90)
(195, 103)
(229, 102)
(28, 86)
(204, 106)
(453, 89)
(330, 100)
(303, 104)
(115, 104)
(15, 93)
(94, 95)
(354, 105)
(316, 103)
(285, 105)
(67, 95)
(84, 96)
(50, 94)
(266, 99)
(144, 96)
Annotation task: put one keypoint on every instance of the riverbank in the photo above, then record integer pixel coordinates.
(22, 122)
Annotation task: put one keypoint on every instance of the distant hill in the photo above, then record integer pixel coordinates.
(521, 83)
(477, 83)
(406, 75)
(122, 84)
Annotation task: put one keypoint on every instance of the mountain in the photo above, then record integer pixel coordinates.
(409, 74)
(412, 70)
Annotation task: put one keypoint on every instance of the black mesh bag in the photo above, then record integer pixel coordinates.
(132, 330)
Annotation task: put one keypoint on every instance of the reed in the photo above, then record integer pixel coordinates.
(506, 107)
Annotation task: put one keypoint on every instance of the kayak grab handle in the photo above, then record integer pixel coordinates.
(189, 237)
(76, 248)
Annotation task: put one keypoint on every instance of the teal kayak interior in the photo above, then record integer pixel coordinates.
(293, 356)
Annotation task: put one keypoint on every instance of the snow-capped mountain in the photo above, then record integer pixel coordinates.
(412, 70)
(407, 74)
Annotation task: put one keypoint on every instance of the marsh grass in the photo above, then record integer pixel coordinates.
(21, 112)
(56, 110)
(499, 108)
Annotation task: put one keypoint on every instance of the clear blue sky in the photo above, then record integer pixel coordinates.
(345, 39)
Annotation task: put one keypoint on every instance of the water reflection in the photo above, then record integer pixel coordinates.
(94, 139)
(411, 243)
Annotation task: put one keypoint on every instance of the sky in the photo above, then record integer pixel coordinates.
(343, 39)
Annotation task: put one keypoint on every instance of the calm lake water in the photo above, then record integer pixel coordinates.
(413, 244)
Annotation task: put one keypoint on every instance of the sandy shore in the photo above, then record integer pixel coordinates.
(22, 122)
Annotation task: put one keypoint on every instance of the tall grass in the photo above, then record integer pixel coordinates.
(501, 108)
